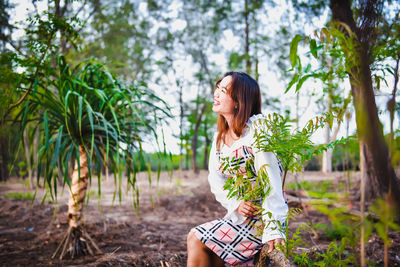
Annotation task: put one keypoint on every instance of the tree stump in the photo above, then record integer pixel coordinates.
(276, 258)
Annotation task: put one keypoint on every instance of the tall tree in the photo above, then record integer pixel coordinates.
(355, 29)
(8, 81)
(243, 18)
(29, 55)
(377, 169)
(333, 102)
(199, 40)
(119, 34)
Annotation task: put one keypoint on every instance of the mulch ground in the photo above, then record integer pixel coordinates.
(30, 232)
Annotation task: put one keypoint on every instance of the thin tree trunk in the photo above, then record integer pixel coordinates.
(187, 155)
(28, 157)
(4, 173)
(79, 185)
(347, 152)
(327, 155)
(362, 205)
(256, 73)
(204, 65)
(195, 167)
(35, 155)
(391, 106)
(208, 141)
(195, 139)
(247, 45)
(60, 13)
(181, 114)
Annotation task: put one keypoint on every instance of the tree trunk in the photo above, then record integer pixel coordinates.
(208, 141)
(362, 204)
(327, 155)
(79, 183)
(4, 173)
(379, 173)
(181, 116)
(194, 149)
(60, 13)
(327, 161)
(195, 139)
(28, 157)
(76, 241)
(391, 106)
(187, 155)
(35, 155)
(195, 167)
(247, 45)
(204, 65)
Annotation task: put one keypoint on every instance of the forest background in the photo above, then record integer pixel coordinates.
(179, 49)
(171, 53)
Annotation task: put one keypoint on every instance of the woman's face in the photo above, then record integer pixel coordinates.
(223, 102)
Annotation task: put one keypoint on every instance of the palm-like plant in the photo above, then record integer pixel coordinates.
(89, 120)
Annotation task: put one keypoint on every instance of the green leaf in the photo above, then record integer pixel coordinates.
(292, 82)
(46, 129)
(293, 49)
(382, 232)
(301, 81)
(90, 115)
(57, 148)
(80, 114)
(313, 48)
(307, 68)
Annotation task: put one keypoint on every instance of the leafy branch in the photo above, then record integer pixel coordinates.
(273, 134)
(245, 184)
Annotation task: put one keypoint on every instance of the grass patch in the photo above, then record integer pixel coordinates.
(320, 189)
(22, 196)
(324, 186)
(323, 195)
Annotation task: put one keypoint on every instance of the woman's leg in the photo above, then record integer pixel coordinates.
(199, 255)
(217, 261)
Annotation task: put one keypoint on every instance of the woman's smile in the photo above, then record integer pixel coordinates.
(223, 103)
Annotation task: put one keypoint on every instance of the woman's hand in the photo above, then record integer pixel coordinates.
(272, 244)
(247, 209)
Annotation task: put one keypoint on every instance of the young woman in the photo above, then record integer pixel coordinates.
(233, 239)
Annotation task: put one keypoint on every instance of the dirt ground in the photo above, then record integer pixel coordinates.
(30, 232)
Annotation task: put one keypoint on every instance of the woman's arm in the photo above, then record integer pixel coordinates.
(274, 206)
(217, 181)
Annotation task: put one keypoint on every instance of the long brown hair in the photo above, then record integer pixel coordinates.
(246, 95)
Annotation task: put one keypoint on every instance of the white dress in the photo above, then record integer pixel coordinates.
(234, 238)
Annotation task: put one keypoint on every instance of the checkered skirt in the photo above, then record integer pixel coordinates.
(235, 244)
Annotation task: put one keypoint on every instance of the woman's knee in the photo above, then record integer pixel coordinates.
(193, 243)
(191, 239)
